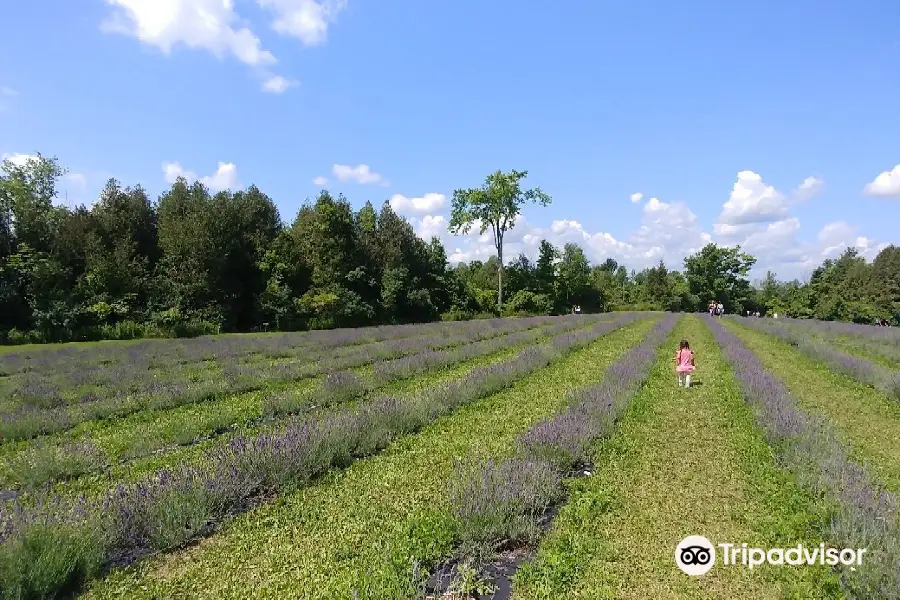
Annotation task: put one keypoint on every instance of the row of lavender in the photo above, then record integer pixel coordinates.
(167, 352)
(501, 504)
(865, 515)
(880, 377)
(58, 544)
(49, 460)
(127, 366)
(76, 371)
(39, 408)
(880, 341)
(885, 334)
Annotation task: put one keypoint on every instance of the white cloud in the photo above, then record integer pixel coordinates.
(836, 237)
(430, 226)
(835, 232)
(224, 178)
(428, 203)
(320, 181)
(278, 84)
(886, 184)
(810, 187)
(360, 174)
(752, 201)
(211, 25)
(306, 20)
(636, 197)
(668, 231)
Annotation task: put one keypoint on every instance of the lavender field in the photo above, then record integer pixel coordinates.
(545, 457)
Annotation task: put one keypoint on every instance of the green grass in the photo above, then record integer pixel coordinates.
(867, 421)
(364, 525)
(681, 462)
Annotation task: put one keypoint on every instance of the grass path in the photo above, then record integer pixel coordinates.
(681, 462)
(362, 526)
(867, 421)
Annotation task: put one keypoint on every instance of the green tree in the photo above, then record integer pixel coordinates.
(545, 268)
(574, 282)
(495, 205)
(720, 273)
(885, 282)
(658, 286)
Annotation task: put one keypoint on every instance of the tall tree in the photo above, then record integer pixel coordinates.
(720, 273)
(573, 279)
(496, 205)
(545, 267)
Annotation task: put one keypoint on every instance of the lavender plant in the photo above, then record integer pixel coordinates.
(863, 370)
(865, 515)
(171, 507)
(500, 503)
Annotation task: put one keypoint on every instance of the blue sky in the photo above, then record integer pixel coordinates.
(760, 125)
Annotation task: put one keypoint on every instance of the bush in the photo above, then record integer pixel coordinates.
(457, 314)
(16, 337)
(130, 330)
(195, 329)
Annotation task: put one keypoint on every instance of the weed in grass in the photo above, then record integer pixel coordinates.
(58, 551)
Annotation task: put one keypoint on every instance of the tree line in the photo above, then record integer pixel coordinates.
(195, 262)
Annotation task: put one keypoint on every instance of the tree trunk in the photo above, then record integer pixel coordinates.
(500, 281)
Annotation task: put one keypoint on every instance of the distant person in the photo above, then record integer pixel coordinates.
(684, 364)
(720, 309)
(711, 308)
(577, 309)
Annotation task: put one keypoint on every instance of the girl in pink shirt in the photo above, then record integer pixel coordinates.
(684, 364)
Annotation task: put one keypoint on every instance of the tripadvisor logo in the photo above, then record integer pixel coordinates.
(696, 555)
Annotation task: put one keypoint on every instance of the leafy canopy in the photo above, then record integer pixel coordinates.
(496, 205)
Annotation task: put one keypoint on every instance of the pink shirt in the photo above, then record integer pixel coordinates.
(684, 359)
